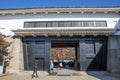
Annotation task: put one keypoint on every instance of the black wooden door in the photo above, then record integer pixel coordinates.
(34, 51)
(28, 55)
(93, 55)
(39, 53)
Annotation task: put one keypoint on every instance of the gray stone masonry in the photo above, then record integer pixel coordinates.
(113, 57)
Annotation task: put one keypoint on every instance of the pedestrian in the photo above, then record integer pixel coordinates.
(35, 74)
(51, 70)
(51, 65)
(60, 65)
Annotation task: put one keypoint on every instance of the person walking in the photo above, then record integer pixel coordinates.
(51, 70)
(51, 65)
(35, 74)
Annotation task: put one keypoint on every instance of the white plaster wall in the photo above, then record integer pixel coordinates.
(17, 21)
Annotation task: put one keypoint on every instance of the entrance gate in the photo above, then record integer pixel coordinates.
(90, 53)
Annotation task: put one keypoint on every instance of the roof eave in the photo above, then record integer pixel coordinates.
(59, 10)
(53, 32)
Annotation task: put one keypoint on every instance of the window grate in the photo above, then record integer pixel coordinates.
(65, 24)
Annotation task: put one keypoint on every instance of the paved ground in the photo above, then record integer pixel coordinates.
(78, 75)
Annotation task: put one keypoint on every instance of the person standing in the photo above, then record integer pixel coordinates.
(51, 65)
(35, 74)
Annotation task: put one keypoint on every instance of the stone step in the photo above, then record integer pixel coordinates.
(63, 74)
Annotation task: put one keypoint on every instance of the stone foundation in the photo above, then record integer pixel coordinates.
(113, 58)
(15, 50)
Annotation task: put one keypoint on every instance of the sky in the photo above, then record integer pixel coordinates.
(55, 3)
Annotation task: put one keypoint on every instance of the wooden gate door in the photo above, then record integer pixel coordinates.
(34, 50)
(93, 55)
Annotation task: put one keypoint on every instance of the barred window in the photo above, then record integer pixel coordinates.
(31, 24)
(54, 24)
(48, 24)
(61, 24)
(75, 24)
(65, 24)
(100, 23)
(37, 24)
(42, 24)
(88, 23)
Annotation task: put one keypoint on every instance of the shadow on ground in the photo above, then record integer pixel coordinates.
(103, 75)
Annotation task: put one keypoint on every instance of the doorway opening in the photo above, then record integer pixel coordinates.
(65, 53)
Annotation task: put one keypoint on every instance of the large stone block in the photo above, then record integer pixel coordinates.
(16, 62)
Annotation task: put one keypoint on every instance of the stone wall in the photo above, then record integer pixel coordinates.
(113, 57)
(15, 50)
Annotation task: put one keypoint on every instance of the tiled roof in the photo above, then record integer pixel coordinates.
(61, 7)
